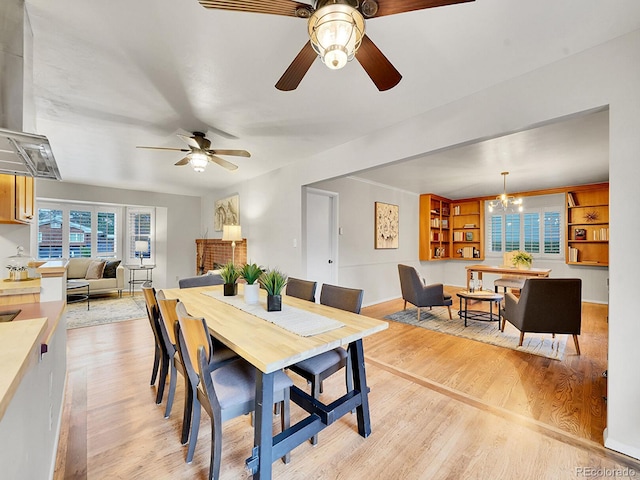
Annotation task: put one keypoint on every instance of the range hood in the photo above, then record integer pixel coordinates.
(27, 155)
(21, 153)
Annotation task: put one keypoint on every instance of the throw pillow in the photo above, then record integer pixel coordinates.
(95, 269)
(110, 269)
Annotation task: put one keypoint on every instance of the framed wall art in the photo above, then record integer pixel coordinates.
(226, 212)
(386, 225)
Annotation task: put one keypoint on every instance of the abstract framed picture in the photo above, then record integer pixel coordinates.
(386, 225)
(226, 212)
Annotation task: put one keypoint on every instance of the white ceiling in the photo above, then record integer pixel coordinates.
(112, 75)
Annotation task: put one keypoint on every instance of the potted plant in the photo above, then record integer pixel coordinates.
(273, 281)
(230, 275)
(251, 273)
(522, 260)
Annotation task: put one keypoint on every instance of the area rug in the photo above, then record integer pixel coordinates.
(486, 332)
(105, 310)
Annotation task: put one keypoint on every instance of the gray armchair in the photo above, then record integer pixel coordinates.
(417, 293)
(200, 281)
(546, 305)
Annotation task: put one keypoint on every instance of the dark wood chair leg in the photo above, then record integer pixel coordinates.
(575, 341)
(188, 406)
(156, 365)
(195, 426)
(449, 308)
(521, 338)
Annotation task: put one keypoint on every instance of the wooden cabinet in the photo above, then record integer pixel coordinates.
(467, 223)
(434, 227)
(17, 201)
(451, 229)
(587, 230)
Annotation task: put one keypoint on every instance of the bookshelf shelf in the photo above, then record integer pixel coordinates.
(451, 230)
(587, 231)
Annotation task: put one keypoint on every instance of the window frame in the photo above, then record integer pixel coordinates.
(66, 208)
(541, 207)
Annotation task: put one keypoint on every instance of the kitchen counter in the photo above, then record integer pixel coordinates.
(30, 331)
(19, 292)
(33, 355)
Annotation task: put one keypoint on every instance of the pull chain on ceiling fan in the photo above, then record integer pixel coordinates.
(336, 31)
(200, 153)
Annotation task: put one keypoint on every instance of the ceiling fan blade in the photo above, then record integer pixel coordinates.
(383, 74)
(275, 7)
(166, 148)
(184, 161)
(391, 7)
(191, 141)
(235, 153)
(222, 163)
(292, 77)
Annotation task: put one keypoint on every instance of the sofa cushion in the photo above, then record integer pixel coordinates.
(110, 269)
(95, 269)
(78, 267)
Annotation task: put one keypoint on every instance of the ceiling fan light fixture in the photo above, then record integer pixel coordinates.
(198, 161)
(506, 202)
(336, 32)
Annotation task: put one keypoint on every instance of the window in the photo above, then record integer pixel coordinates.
(49, 233)
(80, 233)
(140, 228)
(76, 230)
(538, 230)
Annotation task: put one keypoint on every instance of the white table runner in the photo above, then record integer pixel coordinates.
(295, 320)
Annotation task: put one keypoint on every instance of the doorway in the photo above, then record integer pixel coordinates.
(320, 227)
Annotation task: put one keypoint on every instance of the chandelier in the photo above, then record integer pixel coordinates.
(336, 30)
(504, 201)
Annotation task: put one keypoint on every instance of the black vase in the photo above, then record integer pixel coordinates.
(230, 289)
(274, 303)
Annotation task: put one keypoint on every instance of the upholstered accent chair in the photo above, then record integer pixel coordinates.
(417, 293)
(546, 305)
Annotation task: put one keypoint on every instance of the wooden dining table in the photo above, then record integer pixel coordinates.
(502, 270)
(271, 348)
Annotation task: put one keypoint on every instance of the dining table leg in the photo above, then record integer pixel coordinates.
(360, 384)
(263, 424)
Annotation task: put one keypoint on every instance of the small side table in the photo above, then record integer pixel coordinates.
(73, 295)
(133, 281)
(482, 296)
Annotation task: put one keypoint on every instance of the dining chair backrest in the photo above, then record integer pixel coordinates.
(168, 315)
(192, 332)
(149, 294)
(304, 289)
(200, 281)
(349, 299)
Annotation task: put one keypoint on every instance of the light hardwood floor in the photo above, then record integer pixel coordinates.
(442, 407)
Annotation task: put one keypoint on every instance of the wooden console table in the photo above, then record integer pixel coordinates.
(480, 269)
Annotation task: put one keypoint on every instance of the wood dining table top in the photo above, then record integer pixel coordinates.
(265, 345)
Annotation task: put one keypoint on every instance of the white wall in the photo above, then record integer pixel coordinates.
(605, 75)
(177, 223)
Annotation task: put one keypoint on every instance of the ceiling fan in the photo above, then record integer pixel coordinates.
(336, 33)
(200, 154)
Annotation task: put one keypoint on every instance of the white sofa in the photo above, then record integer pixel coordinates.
(77, 270)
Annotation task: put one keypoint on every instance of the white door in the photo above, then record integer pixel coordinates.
(321, 236)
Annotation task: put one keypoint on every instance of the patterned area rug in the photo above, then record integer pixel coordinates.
(487, 332)
(105, 310)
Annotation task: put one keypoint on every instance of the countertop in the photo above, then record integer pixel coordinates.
(29, 331)
(19, 288)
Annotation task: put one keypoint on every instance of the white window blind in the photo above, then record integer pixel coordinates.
(140, 228)
(50, 233)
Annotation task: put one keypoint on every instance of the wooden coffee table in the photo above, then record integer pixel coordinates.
(480, 315)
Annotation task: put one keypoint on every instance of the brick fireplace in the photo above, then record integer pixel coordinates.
(213, 252)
